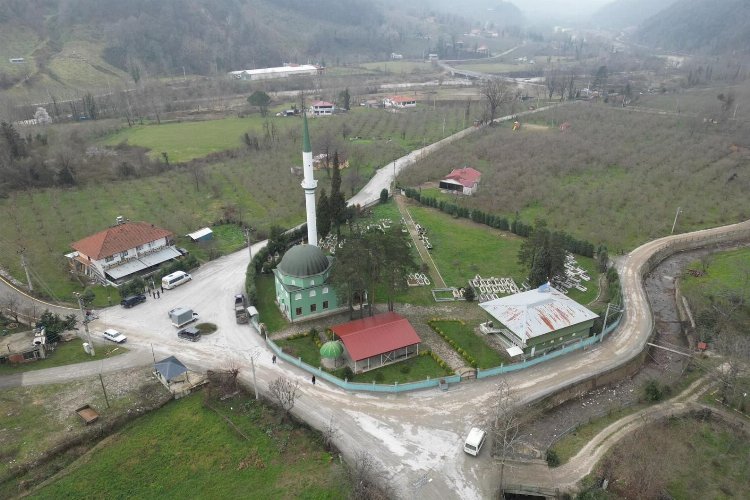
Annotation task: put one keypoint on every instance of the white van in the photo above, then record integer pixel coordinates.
(175, 279)
(475, 441)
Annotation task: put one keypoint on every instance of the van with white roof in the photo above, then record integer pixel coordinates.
(474, 441)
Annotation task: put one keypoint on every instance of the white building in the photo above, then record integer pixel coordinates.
(278, 72)
(322, 108)
(113, 255)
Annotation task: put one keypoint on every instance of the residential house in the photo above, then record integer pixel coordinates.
(322, 108)
(399, 101)
(116, 254)
(462, 180)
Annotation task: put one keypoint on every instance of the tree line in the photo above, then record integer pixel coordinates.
(515, 226)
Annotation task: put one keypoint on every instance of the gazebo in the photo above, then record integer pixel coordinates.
(377, 341)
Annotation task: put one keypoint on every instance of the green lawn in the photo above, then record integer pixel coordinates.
(188, 450)
(410, 370)
(465, 338)
(726, 270)
(67, 353)
(302, 347)
(463, 249)
(183, 141)
(401, 67)
(267, 309)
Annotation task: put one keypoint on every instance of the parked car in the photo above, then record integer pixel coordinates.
(114, 336)
(133, 300)
(190, 333)
(474, 441)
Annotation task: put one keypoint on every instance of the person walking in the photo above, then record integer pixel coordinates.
(273, 359)
(313, 379)
(162, 288)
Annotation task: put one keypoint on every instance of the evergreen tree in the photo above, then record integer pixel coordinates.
(543, 253)
(337, 203)
(323, 213)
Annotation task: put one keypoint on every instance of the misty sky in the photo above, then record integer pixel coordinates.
(559, 8)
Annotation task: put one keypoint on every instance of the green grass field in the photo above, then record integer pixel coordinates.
(463, 249)
(464, 336)
(66, 353)
(726, 271)
(188, 450)
(401, 67)
(410, 370)
(184, 141)
(302, 347)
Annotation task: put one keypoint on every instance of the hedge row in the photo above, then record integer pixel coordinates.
(579, 247)
(467, 357)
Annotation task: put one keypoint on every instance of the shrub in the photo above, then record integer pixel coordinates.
(553, 460)
(379, 377)
(405, 369)
(652, 390)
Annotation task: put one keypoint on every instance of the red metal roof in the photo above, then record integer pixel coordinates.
(322, 104)
(467, 176)
(119, 238)
(375, 335)
(402, 99)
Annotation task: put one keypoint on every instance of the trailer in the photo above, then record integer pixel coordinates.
(181, 316)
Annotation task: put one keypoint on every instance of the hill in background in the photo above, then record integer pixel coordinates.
(626, 13)
(700, 26)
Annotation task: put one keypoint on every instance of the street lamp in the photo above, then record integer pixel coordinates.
(679, 211)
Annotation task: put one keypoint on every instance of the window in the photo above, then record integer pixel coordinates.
(325, 304)
(297, 296)
(109, 259)
(298, 311)
(124, 254)
(312, 282)
(325, 289)
(313, 308)
(294, 282)
(312, 293)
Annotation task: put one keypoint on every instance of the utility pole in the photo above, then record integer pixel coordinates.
(26, 268)
(255, 384)
(679, 211)
(249, 246)
(101, 379)
(604, 325)
(85, 323)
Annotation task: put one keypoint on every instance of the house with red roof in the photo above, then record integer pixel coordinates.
(377, 341)
(462, 180)
(116, 254)
(322, 108)
(400, 101)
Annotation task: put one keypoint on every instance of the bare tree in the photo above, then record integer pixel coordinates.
(331, 433)
(497, 92)
(10, 304)
(368, 478)
(506, 426)
(285, 393)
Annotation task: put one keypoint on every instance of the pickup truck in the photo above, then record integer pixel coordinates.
(240, 308)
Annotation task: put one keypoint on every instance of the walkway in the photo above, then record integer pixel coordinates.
(424, 254)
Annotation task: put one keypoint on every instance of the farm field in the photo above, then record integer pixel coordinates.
(401, 67)
(174, 452)
(633, 185)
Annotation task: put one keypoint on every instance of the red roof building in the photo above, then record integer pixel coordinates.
(399, 101)
(377, 341)
(322, 108)
(119, 251)
(463, 180)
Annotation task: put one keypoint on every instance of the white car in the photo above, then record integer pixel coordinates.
(114, 336)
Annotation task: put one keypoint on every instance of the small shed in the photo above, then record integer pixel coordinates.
(204, 234)
(170, 370)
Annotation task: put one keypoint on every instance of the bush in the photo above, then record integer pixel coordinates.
(405, 369)
(553, 460)
(653, 391)
(384, 195)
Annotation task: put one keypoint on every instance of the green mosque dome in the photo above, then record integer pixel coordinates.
(303, 260)
(331, 349)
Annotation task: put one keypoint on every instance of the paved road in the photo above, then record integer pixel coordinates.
(417, 437)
